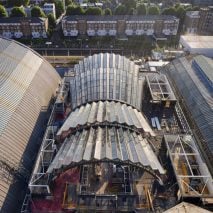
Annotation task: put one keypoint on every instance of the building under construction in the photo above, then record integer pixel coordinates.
(117, 141)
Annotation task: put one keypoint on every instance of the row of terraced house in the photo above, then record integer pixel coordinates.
(131, 25)
(18, 27)
(159, 25)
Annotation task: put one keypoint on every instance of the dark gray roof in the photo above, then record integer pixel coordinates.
(120, 17)
(197, 97)
(206, 64)
(20, 19)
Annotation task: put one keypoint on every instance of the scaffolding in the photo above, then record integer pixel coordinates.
(39, 182)
(159, 88)
(192, 174)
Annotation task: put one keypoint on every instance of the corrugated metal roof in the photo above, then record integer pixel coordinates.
(27, 83)
(105, 143)
(106, 77)
(111, 112)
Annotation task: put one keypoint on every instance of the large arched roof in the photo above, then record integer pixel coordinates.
(27, 83)
(114, 144)
(106, 122)
(106, 76)
(106, 112)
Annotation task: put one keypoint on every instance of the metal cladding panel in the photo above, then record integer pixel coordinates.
(98, 112)
(197, 97)
(106, 77)
(103, 143)
(27, 83)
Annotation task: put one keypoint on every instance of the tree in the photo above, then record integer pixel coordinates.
(37, 12)
(93, 11)
(93, 1)
(120, 10)
(107, 12)
(180, 13)
(3, 12)
(68, 2)
(153, 10)
(17, 3)
(74, 10)
(141, 9)
(18, 12)
(129, 3)
(169, 11)
(59, 6)
(131, 11)
(51, 21)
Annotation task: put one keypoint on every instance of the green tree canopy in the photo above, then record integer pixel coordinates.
(68, 2)
(93, 1)
(129, 3)
(169, 11)
(51, 21)
(120, 10)
(59, 7)
(74, 10)
(18, 12)
(131, 11)
(17, 3)
(180, 12)
(3, 12)
(93, 11)
(153, 10)
(107, 12)
(141, 9)
(36, 11)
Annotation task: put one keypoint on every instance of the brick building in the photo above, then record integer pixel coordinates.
(119, 25)
(17, 27)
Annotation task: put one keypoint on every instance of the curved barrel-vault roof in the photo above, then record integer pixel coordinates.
(106, 112)
(115, 144)
(106, 76)
(27, 83)
(106, 91)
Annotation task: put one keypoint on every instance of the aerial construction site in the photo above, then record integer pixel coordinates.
(117, 140)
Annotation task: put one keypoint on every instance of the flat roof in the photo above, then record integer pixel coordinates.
(197, 41)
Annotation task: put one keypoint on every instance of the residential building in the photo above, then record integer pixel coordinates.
(206, 21)
(27, 84)
(17, 27)
(202, 2)
(87, 5)
(191, 22)
(119, 25)
(49, 8)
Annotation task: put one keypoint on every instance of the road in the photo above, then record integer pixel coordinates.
(85, 51)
